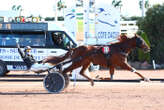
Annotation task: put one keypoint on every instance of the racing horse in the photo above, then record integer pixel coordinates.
(115, 56)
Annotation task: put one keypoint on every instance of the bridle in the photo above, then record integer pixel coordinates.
(138, 42)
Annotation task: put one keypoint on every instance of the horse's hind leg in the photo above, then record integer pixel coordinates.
(111, 73)
(128, 67)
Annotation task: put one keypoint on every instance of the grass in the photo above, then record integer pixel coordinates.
(80, 25)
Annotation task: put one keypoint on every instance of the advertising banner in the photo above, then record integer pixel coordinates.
(107, 26)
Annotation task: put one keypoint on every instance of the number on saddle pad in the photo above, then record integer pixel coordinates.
(106, 49)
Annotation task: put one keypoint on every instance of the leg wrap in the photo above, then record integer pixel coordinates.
(111, 76)
(133, 70)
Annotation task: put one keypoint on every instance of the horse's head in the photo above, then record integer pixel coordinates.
(140, 43)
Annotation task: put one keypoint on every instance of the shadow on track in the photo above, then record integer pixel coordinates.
(39, 78)
(116, 80)
(23, 93)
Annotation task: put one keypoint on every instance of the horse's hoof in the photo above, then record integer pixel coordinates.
(146, 79)
(100, 78)
(92, 83)
(105, 78)
(97, 77)
(70, 75)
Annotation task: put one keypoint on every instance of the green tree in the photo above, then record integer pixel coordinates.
(117, 3)
(143, 4)
(141, 55)
(146, 5)
(61, 5)
(152, 24)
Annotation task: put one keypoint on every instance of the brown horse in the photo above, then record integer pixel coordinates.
(115, 56)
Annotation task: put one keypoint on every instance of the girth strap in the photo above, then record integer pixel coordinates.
(106, 51)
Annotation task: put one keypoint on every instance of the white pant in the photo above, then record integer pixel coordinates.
(37, 66)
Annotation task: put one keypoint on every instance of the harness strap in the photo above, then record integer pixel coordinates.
(105, 50)
(123, 53)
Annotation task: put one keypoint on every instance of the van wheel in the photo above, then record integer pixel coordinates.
(3, 68)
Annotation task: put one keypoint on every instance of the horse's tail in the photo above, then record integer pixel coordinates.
(57, 59)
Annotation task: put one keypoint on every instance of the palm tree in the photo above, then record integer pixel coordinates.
(117, 3)
(61, 5)
(17, 8)
(146, 4)
(143, 4)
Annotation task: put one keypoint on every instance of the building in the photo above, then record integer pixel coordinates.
(128, 27)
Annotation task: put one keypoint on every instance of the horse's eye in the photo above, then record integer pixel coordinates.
(138, 41)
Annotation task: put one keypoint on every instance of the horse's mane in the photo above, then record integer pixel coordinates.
(121, 39)
(124, 38)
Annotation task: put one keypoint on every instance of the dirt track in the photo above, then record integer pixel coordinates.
(103, 96)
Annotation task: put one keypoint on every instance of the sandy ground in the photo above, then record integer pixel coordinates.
(103, 96)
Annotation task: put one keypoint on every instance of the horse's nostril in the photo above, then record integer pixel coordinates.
(146, 50)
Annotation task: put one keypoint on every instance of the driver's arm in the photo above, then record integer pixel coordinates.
(20, 51)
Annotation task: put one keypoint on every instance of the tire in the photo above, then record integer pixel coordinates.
(66, 77)
(3, 68)
(67, 80)
(54, 82)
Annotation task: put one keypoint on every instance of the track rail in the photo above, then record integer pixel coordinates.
(39, 78)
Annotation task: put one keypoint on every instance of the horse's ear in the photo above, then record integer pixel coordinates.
(135, 35)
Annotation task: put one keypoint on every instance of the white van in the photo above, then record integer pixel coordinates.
(38, 36)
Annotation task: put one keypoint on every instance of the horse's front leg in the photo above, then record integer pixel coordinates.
(128, 67)
(84, 67)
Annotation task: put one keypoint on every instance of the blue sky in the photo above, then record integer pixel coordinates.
(45, 7)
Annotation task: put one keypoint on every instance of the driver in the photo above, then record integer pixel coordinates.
(30, 62)
(26, 56)
(27, 50)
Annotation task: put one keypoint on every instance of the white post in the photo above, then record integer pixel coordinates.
(74, 77)
(70, 17)
(86, 19)
(55, 9)
(143, 8)
(154, 66)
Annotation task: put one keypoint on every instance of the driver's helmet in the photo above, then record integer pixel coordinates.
(27, 48)
(55, 35)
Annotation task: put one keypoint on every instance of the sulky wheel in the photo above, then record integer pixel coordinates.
(67, 79)
(54, 82)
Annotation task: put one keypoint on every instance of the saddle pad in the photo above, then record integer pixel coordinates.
(106, 49)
